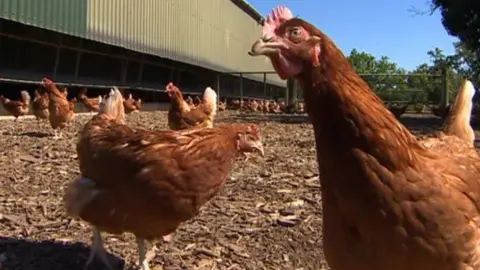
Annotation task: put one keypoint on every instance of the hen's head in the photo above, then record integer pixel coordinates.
(249, 139)
(291, 43)
(172, 90)
(47, 83)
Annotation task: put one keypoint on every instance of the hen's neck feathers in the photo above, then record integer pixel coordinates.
(348, 117)
(177, 101)
(52, 90)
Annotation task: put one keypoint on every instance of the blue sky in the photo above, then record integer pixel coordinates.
(378, 27)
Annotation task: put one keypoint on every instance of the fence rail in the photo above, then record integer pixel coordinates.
(415, 88)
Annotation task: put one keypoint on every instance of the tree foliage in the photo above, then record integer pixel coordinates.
(461, 18)
(384, 76)
(425, 84)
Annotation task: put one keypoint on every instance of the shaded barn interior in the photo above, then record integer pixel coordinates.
(27, 54)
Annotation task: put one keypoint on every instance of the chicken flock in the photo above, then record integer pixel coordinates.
(390, 200)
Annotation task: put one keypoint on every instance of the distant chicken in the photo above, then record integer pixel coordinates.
(440, 111)
(252, 105)
(138, 104)
(397, 110)
(283, 106)
(300, 107)
(91, 104)
(160, 180)
(60, 109)
(129, 105)
(189, 101)
(236, 104)
(17, 108)
(72, 103)
(40, 105)
(274, 107)
(181, 116)
(222, 105)
(197, 101)
(266, 106)
(63, 90)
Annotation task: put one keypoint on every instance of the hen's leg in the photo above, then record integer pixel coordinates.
(144, 256)
(97, 249)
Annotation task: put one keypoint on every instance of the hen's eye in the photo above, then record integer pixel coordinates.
(295, 32)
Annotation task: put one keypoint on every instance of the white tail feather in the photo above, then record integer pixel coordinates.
(210, 97)
(458, 120)
(25, 96)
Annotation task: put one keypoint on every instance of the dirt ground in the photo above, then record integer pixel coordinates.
(268, 216)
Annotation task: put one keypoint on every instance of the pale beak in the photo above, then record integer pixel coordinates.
(262, 47)
(258, 146)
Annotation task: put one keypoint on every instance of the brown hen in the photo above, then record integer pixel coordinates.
(40, 105)
(138, 104)
(389, 201)
(222, 105)
(91, 104)
(17, 108)
(397, 110)
(129, 104)
(182, 116)
(162, 178)
(60, 110)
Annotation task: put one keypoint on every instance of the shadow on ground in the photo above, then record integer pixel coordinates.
(35, 134)
(20, 254)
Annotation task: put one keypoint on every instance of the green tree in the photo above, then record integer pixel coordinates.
(461, 18)
(384, 76)
(468, 63)
(428, 78)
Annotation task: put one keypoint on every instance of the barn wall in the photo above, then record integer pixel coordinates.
(214, 34)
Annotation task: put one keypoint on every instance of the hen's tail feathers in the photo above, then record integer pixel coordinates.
(25, 97)
(78, 194)
(210, 100)
(457, 122)
(112, 106)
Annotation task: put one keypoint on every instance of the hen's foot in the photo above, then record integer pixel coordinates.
(98, 250)
(144, 256)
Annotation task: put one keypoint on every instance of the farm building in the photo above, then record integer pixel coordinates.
(138, 45)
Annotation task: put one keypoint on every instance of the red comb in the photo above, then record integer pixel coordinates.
(46, 81)
(278, 16)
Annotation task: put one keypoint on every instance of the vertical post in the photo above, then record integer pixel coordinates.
(140, 72)
(290, 86)
(241, 91)
(172, 73)
(57, 58)
(445, 96)
(179, 75)
(218, 88)
(265, 85)
(79, 58)
(124, 72)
